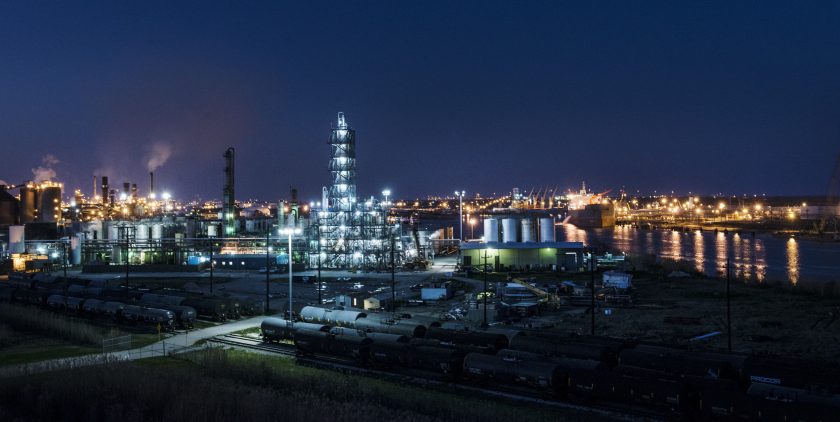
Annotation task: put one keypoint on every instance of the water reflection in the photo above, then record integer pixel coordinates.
(699, 255)
(706, 251)
(792, 250)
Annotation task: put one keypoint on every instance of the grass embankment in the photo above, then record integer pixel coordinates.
(771, 317)
(30, 334)
(230, 385)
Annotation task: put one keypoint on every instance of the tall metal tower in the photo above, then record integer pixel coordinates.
(228, 201)
(342, 194)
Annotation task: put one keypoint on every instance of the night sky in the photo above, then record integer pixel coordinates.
(733, 97)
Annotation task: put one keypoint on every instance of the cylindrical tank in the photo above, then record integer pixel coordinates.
(8, 208)
(49, 205)
(546, 230)
(157, 231)
(17, 239)
(212, 230)
(491, 230)
(76, 249)
(527, 230)
(509, 226)
(27, 204)
(113, 232)
(141, 232)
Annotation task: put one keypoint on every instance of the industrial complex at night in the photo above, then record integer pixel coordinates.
(438, 211)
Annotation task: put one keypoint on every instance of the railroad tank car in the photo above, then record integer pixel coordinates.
(65, 303)
(92, 306)
(541, 374)
(30, 297)
(185, 316)
(112, 309)
(576, 348)
(792, 404)
(138, 314)
(161, 299)
(274, 329)
(676, 361)
(378, 324)
(389, 349)
(787, 372)
(206, 307)
(350, 346)
(644, 386)
(334, 317)
(493, 342)
(444, 360)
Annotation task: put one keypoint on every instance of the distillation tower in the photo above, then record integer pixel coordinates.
(348, 232)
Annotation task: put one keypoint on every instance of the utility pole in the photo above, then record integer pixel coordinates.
(728, 309)
(211, 265)
(592, 285)
(485, 288)
(267, 268)
(126, 256)
(64, 253)
(319, 263)
(393, 282)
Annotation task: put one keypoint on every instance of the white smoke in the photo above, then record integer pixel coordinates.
(44, 172)
(158, 155)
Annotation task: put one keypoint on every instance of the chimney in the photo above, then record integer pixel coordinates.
(151, 184)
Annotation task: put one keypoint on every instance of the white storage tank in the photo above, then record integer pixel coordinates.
(527, 230)
(157, 231)
(509, 226)
(491, 230)
(141, 232)
(212, 230)
(113, 232)
(547, 230)
(17, 239)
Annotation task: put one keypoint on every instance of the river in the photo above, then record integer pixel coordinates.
(761, 257)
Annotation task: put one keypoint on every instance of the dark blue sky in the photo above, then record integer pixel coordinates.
(733, 97)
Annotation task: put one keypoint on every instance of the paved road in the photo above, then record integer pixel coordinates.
(179, 342)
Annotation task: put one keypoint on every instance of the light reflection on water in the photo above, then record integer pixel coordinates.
(793, 260)
(757, 257)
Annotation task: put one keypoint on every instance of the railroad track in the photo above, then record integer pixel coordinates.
(333, 363)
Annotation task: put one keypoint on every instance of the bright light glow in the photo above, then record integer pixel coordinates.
(123, 196)
(152, 195)
(166, 196)
(386, 192)
(288, 231)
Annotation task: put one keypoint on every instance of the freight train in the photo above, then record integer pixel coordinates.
(685, 383)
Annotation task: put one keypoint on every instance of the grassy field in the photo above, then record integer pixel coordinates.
(770, 317)
(230, 385)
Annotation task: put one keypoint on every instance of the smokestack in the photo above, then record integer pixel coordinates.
(151, 184)
(134, 191)
(228, 201)
(105, 189)
(95, 187)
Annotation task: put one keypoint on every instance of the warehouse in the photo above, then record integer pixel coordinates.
(562, 256)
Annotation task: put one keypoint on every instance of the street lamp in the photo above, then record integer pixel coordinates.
(290, 232)
(460, 196)
(386, 193)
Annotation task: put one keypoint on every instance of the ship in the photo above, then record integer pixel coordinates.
(589, 210)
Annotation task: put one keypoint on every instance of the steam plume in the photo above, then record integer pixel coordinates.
(159, 154)
(44, 172)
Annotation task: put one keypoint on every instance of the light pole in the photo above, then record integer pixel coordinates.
(460, 195)
(290, 232)
(318, 239)
(592, 266)
(267, 266)
(211, 265)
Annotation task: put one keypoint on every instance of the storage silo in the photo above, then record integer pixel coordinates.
(8, 208)
(141, 232)
(509, 226)
(491, 230)
(157, 231)
(546, 230)
(527, 230)
(113, 232)
(49, 204)
(27, 206)
(212, 230)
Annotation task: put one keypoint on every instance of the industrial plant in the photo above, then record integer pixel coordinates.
(115, 227)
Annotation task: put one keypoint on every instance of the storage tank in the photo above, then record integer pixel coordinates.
(27, 204)
(157, 231)
(491, 230)
(49, 205)
(8, 208)
(212, 230)
(547, 230)
(509, 226)
(17, 239)
(527, 230)
(141, 232)
(113, 232)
